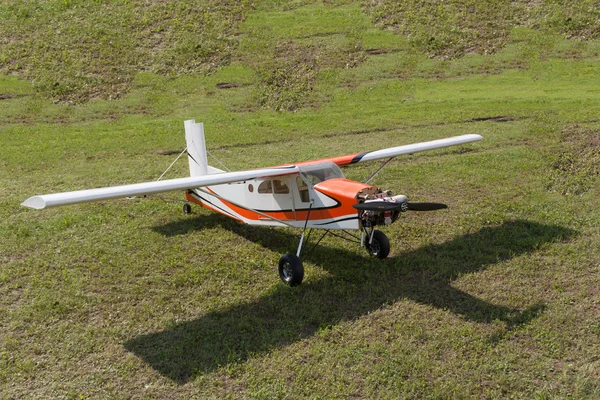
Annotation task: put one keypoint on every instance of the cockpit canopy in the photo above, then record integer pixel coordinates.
(319, 172)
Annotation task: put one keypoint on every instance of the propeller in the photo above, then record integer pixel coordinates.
(426, 206)
(382, 205)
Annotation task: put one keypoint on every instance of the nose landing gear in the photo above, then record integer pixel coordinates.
(378, 245)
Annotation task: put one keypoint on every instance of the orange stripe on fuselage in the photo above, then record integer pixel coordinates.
(342, 190)
(193, 199)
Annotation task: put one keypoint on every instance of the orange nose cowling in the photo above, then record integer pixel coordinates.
(345, 191)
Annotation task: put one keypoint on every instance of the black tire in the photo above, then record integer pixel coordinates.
(291, 270)
(187, 208)
(380, 246)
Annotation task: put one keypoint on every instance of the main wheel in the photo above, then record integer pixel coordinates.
(380, 246)
(187, 208)
(291, 270)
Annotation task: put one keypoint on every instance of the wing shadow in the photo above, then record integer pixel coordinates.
(356, 286)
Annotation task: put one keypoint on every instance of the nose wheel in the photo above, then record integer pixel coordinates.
(378, 245)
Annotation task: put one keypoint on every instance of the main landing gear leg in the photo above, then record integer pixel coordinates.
(291, 270)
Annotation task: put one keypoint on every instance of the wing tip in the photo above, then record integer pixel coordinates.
(35, 202)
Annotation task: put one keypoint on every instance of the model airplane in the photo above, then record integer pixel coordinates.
(306, 195)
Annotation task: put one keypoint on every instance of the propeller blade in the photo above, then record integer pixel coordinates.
(379, 206)
(426, 206)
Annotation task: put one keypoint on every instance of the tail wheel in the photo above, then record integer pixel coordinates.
(291, 270)
(379, 246)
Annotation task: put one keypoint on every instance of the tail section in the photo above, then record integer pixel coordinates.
(196, 148)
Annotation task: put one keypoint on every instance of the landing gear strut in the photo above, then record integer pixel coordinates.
(291, 270)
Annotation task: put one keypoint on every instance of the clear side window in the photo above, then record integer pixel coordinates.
(279, 187)
(265, 187)
(302, 189)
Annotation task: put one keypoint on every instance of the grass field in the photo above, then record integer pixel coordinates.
(496, 297)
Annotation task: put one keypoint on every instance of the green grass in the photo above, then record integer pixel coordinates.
(452, 29)
(495, 297)
(74, 50)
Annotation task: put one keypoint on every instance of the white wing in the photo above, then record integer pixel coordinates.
(418, 147)
(406, 149)
(140, 189)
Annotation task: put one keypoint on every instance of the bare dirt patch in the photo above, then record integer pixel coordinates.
(499, 118)
(374, 52)
(226, 85)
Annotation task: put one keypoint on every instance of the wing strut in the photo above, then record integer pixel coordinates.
(386, 162)
(173, 163)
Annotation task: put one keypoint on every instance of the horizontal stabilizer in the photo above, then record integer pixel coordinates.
(146, 188)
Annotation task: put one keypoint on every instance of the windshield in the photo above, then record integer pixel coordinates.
(319, 172)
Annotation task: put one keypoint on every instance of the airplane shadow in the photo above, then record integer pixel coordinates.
(355, 286)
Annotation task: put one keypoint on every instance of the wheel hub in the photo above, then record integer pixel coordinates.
(374, 248)
(287, 271)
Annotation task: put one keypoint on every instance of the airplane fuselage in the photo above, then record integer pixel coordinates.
(294, 200)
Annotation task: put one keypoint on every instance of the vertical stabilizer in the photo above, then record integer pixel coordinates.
(196, 148)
